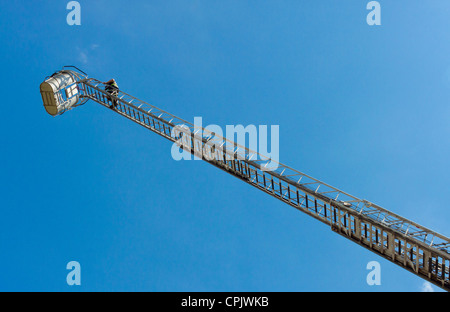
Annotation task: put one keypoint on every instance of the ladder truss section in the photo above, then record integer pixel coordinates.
(403, 242)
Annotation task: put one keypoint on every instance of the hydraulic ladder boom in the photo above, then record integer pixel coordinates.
(397, 239)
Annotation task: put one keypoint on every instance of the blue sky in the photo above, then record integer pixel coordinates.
(363, 108)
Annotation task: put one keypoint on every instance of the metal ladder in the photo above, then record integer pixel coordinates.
(397, 239)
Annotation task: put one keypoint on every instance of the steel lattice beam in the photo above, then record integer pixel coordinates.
(397, 239)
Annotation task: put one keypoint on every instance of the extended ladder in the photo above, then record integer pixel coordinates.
(399, 240)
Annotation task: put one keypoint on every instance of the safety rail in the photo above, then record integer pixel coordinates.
(403, 242)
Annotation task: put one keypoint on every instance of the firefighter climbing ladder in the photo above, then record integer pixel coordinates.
(399, 240)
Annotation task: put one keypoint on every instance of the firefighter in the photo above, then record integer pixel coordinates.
(113, 89)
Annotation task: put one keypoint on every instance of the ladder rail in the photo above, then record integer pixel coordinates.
(406, 243)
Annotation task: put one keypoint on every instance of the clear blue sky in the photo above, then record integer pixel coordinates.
(363, 108)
